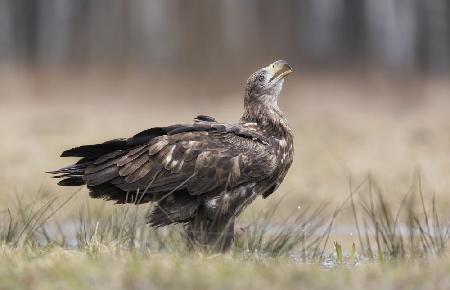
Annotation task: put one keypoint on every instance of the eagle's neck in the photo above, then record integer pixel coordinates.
(268, 117)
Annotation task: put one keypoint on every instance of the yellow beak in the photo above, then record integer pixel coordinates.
(279, 69)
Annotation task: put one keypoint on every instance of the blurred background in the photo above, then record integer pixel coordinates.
(370, 93)
(393, 35)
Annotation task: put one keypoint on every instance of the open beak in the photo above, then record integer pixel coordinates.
(279, 69)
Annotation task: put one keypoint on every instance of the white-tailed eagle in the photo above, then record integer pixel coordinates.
(202, 174)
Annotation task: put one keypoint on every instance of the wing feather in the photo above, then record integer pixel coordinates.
(102, 176)
(133, 165)
(199, 159)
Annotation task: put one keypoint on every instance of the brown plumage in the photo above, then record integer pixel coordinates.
(202, 174)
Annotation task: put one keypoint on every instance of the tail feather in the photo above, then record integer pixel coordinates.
(72, 181)
(71, 169)
(98, 153)
(73, 174)
(93, 155)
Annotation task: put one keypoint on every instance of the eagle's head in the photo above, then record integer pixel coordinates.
(265, 85)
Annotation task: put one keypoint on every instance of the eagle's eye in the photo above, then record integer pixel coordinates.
(261, 78)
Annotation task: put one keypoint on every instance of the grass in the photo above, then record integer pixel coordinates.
(411, 231)
(107, 268)
(299, 232)
(414, 229)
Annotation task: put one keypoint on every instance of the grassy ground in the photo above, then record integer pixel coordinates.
(106, 268)
(375, 152)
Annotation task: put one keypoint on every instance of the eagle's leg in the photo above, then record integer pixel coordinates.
(212, 227)
(211, 235)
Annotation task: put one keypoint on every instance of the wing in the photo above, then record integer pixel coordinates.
(202, 158)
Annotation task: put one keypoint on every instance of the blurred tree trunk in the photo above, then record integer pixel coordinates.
(392, 31)
(322, 29)
(437, 34)
(240, 28)
(7, 43)
(54, 31)
(106, 31)
(25, 30)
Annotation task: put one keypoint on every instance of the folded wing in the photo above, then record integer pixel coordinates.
(198, 159)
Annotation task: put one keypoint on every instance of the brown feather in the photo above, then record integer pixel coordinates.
(133, 165)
